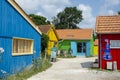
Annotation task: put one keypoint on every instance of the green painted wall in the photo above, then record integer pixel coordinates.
(65, 44)
(92, 46)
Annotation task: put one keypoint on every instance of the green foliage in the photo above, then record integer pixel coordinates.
(65, 56)
(95, 37)
(28, 73)
(68, 18)
(118, 12)
(37, 63)
(39, 20)
(45, 40)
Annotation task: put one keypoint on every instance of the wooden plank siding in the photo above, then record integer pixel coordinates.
(14, 25)
(114, 52)
(52, 40)
(67, 44)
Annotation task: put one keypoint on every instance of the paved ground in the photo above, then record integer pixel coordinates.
(75, 69)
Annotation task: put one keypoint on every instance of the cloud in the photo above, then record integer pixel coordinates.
(54, 2)
(29, 4)
(39, 13)
(51, 8)
(88, 18)
(46, 7)
(107, 8)
(111, 12)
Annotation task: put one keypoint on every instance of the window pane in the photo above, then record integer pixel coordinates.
(84, 47)
(114, 43)
(22, 46)
(79, 47)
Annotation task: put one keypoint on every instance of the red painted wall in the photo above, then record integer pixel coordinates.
(114, 52)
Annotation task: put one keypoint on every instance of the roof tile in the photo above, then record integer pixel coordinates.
(75, 34)
(108, 24)
(44, 28)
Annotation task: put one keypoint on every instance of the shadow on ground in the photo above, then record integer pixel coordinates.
(86, 64)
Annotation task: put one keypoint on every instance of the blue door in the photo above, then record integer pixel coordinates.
(88, 49)
(81, 49)
(74, 48)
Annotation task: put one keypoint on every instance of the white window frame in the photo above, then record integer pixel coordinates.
(114, 47)
(24, 53)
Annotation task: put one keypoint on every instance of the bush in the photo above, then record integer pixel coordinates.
(65, 56)
(45, 40)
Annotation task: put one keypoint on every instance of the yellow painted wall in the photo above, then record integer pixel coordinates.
(52, 39)
(95, 50)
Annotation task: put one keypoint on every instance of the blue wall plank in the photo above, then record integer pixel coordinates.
(74, 48)
(12, 24)
(87, 49)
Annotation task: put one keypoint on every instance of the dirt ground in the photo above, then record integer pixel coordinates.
(75, 69)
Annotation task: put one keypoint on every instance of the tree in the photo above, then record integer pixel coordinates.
(39, 20)
(44, 44)
(45, 40)
(68, 18)
(118, 12)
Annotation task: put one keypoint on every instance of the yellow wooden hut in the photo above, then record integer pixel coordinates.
(52, 34)
(96, 47)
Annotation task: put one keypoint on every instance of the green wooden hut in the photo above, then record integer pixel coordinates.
(79, 41)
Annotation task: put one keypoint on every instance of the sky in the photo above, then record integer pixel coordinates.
(90, 8)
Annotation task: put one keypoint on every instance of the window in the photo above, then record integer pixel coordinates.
(114, 43)
(79, 47)
(22, 46)
(84, 47)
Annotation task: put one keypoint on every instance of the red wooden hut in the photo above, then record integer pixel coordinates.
(108, 31)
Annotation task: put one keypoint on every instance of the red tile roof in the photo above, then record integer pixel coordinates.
(75, 34)
(44, 28)
(108, 24)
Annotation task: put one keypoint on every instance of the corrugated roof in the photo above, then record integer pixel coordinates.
(96, 42)
(44, 28)
(108, 24)
(75, 34)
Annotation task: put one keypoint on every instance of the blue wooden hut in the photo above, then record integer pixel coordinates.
(19, 38)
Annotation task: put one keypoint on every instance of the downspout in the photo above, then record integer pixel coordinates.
(100, 52)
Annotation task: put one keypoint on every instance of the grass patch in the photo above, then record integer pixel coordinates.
(45, 64)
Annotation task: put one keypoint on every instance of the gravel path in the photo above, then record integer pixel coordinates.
(75, 69)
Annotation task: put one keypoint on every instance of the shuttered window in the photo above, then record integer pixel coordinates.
(22, 46)
(114, 43)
